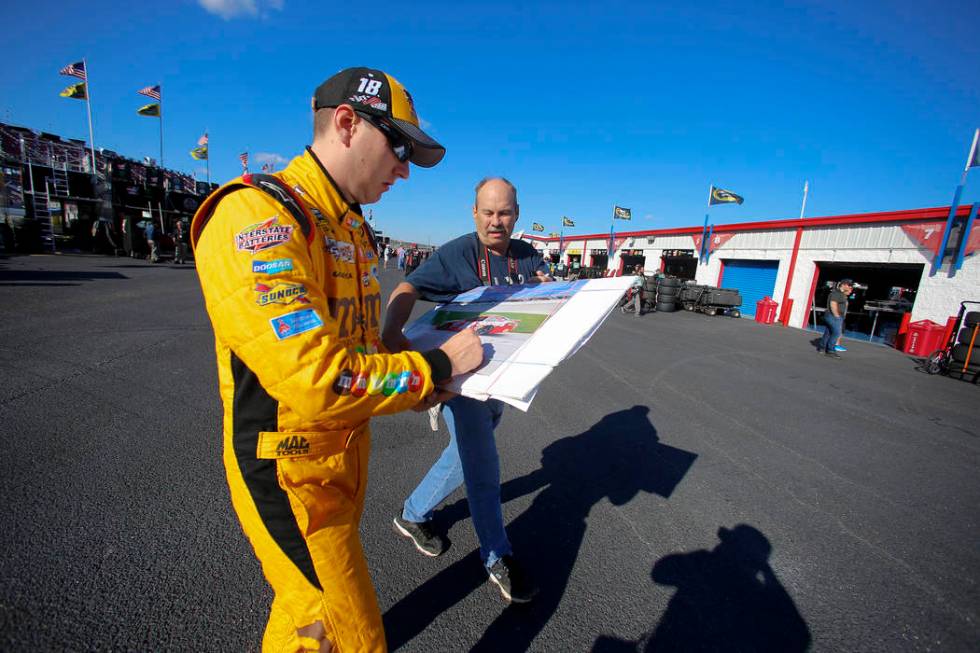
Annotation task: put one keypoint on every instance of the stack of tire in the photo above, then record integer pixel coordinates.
(666, 293)
(966, 351)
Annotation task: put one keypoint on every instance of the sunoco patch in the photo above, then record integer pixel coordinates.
(280, 292)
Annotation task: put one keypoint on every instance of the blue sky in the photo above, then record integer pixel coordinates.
(582, 106)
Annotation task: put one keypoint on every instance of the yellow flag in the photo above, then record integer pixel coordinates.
(152, 109)
(75, 91)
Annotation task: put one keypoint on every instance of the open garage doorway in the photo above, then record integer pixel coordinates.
(679, 263)
(880, 304)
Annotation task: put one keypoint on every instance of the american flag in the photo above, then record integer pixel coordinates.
(203, 140)
(151, 91)
(76, 69)
(243, 157)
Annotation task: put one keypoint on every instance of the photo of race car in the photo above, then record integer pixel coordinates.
(485, 325)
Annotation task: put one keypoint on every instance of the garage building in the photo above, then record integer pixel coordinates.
(889, 255)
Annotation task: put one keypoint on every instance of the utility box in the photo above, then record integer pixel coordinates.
(924, 337)
(765, 310)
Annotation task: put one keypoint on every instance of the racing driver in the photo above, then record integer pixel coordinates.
(289, 272)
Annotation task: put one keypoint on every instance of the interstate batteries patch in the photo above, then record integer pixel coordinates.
(293, 324)
(263, 235)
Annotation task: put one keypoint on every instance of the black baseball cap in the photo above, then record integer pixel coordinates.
(846, 282)
(378, 94)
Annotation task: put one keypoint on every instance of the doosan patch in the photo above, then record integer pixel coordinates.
(293, 324)
(261, 236)
(272, 267)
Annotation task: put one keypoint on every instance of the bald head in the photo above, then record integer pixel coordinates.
(487, 180)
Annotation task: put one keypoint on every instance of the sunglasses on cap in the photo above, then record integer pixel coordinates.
(400, 146)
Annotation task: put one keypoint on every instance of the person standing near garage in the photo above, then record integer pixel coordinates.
(833, 318)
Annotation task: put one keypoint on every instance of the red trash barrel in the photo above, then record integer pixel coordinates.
(924, 337)
(765, 310)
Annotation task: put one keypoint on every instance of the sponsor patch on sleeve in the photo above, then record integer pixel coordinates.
(264, 235)
(295, 323)
(272, 267)
(280, 292)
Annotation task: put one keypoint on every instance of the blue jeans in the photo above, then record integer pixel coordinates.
(832, 327)
(470, 458)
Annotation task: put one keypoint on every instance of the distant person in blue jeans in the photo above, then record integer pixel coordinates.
(487, 257)
(833, 318)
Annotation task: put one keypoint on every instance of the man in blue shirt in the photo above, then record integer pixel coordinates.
(487, 257)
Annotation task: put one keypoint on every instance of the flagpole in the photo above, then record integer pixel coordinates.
(612, 238)
(938, 260)
(88, 107)
(806, 189)
(707, 243)
(704, 229)
(208, 159)
(160, 86)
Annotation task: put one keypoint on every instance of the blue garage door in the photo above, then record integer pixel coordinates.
(753, 279)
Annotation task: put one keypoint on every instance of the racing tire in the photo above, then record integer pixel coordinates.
(971, 319)
(965, 335)
(960, 352)
(668, 292)
(665, 307)
(673, 282)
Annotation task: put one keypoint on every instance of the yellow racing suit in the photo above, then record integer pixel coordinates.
(295, 304)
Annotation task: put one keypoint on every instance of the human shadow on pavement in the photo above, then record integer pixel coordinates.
(727, 599)
(616, 459)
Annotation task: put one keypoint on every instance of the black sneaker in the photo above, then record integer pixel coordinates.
(832, 354)
(425, 539)
(514, 585)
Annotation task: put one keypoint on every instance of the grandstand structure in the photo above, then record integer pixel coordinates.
(51, 199)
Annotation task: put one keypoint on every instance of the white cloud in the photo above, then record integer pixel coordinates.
(277, 160)
(229, 9)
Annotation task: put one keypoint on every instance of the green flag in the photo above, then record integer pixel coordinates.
(75, 91)
(537, 226)
(200, 153)
(152, 110)
(567, 222)
(619, 213)
(722, 196)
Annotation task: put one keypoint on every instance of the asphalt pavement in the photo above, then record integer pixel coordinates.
(683, 483)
